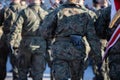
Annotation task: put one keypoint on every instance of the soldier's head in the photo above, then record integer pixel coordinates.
(104, 3)
(96, 4)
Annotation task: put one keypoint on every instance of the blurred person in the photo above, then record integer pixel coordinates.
(96, 68)
(8, 16)
(32, 48)
(23, 4)
(1, 6)
(70, 25)
(104, 31)
(96, 5)
(54, 5)
(104, 3)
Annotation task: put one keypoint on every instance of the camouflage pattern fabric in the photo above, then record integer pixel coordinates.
(114, 56)
(95, 66)
(69, 19)
(32, 46)
(7, 18)
(111, 64)
(101, 30)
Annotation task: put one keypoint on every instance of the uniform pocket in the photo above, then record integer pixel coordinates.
(36, 45)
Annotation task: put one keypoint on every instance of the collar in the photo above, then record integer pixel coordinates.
(34, 4)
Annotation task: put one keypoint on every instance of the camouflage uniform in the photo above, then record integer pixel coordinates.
(113, 58)
(62, 24)
(32, 46)
(7, 17)
(101, 29)
(95, 67)
(111, 64)
(95, 12)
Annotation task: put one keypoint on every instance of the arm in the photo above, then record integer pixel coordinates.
(16, 30)
(94, 41)
(102, 23)
(48, 26)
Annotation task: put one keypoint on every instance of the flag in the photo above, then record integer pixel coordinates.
(112, 41)
(115, 7)
(116, 35)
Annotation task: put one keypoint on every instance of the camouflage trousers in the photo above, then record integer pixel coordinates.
(100, 74)
(113, 67)
(28, 60)
(68, 62)
(13, 60)
(64, 70)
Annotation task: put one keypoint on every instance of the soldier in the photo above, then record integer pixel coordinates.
(8, 16)
(32, 47)
(113, 56)
(111, 64)
(101, 30)
(70, 25)
(97, 72)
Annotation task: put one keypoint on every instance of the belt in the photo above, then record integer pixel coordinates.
(62, 38)
(25, 37)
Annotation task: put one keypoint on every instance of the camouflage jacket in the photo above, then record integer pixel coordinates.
(8, 16)
(70, 19)
(102, 23)
(103, 30)
(27, 23)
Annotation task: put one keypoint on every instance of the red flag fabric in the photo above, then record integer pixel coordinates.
(113, 40)
(117, 4)
(116, 35)
(115, 7)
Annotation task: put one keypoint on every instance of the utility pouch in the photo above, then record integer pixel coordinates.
(77, 41)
